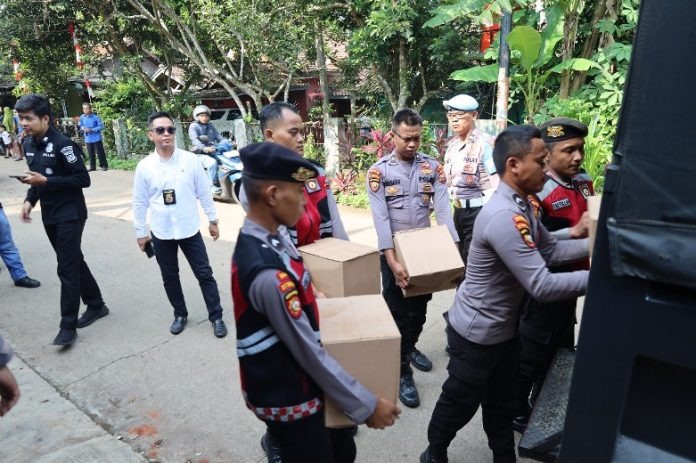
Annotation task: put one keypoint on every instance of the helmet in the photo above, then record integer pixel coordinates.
(201, 109)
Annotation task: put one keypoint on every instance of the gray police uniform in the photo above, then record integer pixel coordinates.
(509, 255)
(401, 195)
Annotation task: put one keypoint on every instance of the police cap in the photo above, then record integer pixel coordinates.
(562, 128)
(275, 162)
(461, 103)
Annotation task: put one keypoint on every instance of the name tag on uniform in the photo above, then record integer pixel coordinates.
(169, 197)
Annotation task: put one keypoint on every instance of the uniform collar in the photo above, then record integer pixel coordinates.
(511, 195)
(280, 242)
(554, 177)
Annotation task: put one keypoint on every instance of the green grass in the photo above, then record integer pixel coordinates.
(122, 164)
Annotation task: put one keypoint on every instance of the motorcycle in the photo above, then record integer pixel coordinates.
(229, 168)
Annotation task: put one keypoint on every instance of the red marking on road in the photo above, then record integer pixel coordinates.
(142, 430)
(154, 414)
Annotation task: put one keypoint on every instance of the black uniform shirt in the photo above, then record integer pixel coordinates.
(57, 158)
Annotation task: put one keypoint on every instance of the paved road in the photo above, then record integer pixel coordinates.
(128, 380)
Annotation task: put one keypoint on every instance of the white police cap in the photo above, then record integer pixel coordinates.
(461, 103)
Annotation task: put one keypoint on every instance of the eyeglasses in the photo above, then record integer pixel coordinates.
(407, 139)
(456, 115)
(160, 130)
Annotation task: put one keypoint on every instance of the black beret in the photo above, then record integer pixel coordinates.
(562, 128)
(273, 161)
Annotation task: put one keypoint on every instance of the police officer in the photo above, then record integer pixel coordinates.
(204, 138)
(402, 187)
(57, 176)
(286, 371)
(509, 255)
(562, 203)
(471, 174)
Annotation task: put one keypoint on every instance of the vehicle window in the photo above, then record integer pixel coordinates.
(215, 115)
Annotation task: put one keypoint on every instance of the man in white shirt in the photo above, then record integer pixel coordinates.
(170, 182)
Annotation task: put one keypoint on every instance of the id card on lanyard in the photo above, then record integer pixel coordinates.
(167, 179)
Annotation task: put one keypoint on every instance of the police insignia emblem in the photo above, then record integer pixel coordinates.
(49, 148)
(374, 178)
(441, 173)
(391, 190)
(427, 188)
(293, 304)
(69, 154)
(312, 185)
(49, 171)
(522, 226)
(426, 169)
(469, 179)
(585, 190)
(555, 131)
(425, 199)
(303, 174)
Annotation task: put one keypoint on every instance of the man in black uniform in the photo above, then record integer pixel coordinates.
(56, 177)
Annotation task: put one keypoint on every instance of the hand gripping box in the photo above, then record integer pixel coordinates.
(341, 268)
(360, 333)
(431, 259)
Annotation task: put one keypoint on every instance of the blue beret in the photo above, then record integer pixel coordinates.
(275, 162)
(562, 128)
(461, 103)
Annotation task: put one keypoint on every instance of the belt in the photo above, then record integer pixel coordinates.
(288, 414)
(468, 203)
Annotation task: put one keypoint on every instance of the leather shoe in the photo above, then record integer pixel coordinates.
(27, 282)
(219, 328)
(420, 361)
(427, 457)
(178, 325)
(271, 448)
(408, 394)
(519, 423)
(65, 337)
(92, 315)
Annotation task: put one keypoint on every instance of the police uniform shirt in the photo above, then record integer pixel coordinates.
(509, 255)
(469, 165)
(58, 159)
(182, 173)
(401, 194)
(264, 294)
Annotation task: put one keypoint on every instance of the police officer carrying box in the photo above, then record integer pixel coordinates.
(402, 187)
(57, 176)
(471, 174)
(509, 255)
(285, 370)
(545, 327)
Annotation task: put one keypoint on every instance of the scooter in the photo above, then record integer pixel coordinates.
(229, 168)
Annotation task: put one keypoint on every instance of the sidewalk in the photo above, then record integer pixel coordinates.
(169, 398)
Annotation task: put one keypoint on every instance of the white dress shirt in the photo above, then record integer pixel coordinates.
(184, 174)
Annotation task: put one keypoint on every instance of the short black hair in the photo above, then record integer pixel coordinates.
(38, 104)
(157, 115)
(406, 116)
(2, 126)
(253, 187)
(515, 141)
(274, 111)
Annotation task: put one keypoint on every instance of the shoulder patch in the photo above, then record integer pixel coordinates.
(69, 154)
(374, 178)
(522, 226)
(291, 297)
(440, 171)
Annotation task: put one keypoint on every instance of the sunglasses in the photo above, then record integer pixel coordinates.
(407, 139)
(160, 130)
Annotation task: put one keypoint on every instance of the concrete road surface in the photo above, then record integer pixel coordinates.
(128, 390)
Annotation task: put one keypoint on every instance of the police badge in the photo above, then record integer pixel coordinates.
(49, 147)
(68, 153)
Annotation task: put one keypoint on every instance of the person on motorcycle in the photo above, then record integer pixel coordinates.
(204, 138)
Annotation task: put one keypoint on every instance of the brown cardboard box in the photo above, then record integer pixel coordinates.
(593, 203)
(341, 268)
(360, 333)
(431, 259)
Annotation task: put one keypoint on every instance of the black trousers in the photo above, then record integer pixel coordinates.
(76, 280)
(309, 441)
(464, 219)
(408, 312)
(478, 375)
(197, 257)
(97, 147)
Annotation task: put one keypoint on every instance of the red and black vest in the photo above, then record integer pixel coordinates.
(275, 387)
(315, 223)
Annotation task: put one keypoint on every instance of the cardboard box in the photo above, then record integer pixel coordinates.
(360, 333)
(431, 259)
(593, 203)
(341, 268)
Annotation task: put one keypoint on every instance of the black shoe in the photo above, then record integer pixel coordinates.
(178, 325)
(219, 328)
(519, 423)
(92, 315)
(271, 448)
(27, 282)
(104, 168)
(427, 457)
(420, 361)
(505, 457)
(91, 169)
(408, 394)
(65, 337)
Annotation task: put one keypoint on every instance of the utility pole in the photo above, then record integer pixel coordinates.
(501, 114)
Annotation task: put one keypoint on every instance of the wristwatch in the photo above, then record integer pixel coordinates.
(213, 222)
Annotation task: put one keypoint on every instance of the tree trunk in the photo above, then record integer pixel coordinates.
(602, 10)
(403, 75)
(570, 34)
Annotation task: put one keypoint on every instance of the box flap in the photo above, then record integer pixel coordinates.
(337, 250)
(344, 319)
(427, 251)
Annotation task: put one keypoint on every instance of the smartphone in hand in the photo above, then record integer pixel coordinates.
(149, 250)
(18, 177)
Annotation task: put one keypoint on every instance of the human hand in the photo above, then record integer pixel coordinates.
(33, 178)
(581, 228)
(400, 273)
(9, 391)
(209, 149)
(384, 415)
(214, 231)
(318, 293)
(142, 242)
(24, 216)
(87, 130)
